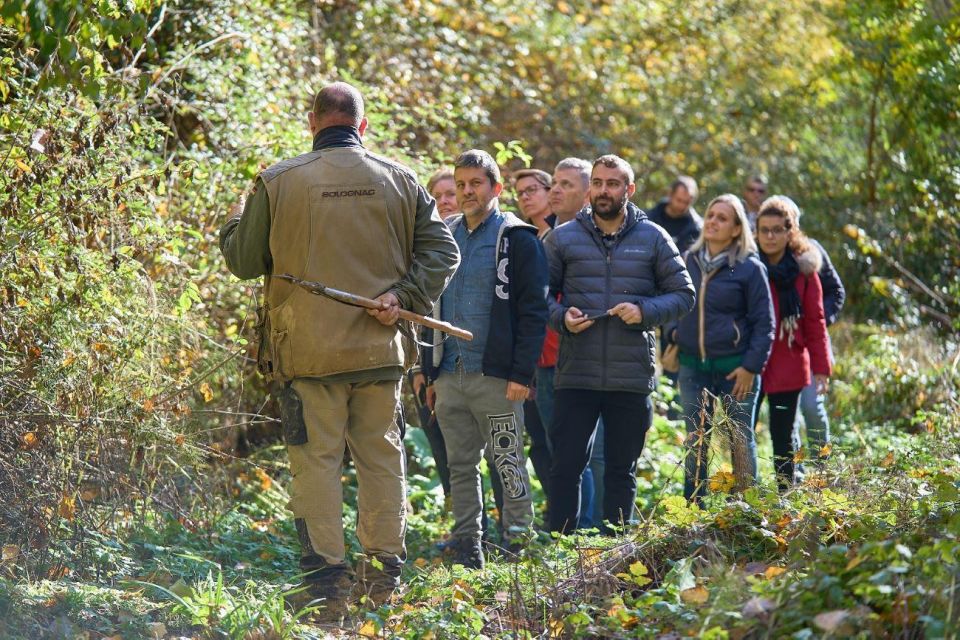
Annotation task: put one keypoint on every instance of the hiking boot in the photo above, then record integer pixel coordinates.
(325, 587)
(378, 578)
(328, 605)
(466, 552)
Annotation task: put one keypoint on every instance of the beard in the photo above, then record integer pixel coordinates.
(608, 208)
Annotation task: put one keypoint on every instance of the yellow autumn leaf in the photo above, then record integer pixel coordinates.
(887, 460)
(24, 166)
(695, 595)
(149, 405)
(420, 563)
(800, 455)
(722, 482)
(826, 450)
(368, 629)
(206, 392)
(773, 572)
(265, 480)
(556, 629)
(30, 440)
(592, 556)
(67, 508)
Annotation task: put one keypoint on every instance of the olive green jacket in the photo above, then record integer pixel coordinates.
(353, 221)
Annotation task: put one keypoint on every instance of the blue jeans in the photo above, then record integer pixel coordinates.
(813, 407)
(699, 391)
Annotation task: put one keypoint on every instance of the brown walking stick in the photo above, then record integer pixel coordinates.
(368, 303)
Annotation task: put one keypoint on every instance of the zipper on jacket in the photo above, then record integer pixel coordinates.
(736, 331)
(606, 301)
(595, 235)
(702, 312)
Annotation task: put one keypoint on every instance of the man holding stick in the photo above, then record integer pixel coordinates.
(360, 223)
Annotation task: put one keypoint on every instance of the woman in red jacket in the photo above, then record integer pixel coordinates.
(800, 343)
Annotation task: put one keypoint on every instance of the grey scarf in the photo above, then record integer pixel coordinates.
(718, 261)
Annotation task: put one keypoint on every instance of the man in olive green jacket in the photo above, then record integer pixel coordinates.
(360, 223)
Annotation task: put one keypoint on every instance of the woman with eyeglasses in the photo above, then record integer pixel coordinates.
(723, 343)
(800, 345)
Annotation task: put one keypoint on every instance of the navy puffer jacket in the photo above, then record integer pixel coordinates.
(643, 267)
(733, 314)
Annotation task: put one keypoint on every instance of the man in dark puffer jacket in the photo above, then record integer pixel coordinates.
(615, 269)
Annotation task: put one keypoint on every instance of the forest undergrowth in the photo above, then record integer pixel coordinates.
(866, 546)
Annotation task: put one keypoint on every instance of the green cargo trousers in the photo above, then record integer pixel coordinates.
(363, 417)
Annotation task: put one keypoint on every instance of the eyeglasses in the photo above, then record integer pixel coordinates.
(775, 232)
(529, 191)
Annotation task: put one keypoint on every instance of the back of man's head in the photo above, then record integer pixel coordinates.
(479, 159)
(339, 103)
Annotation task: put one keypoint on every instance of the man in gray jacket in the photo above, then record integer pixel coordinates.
(618, 277)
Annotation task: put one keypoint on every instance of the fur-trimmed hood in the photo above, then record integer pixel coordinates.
(809, 261)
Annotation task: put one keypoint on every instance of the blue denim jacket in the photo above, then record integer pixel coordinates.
(467, 300)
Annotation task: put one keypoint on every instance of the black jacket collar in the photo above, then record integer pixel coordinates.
(337, 136)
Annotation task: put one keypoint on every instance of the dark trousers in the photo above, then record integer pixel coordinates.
(626, 418)
(539, 452)
(428, 420)
(783, 432)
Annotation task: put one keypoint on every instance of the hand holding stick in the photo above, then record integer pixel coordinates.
(368, 303)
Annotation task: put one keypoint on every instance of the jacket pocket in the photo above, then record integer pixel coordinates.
(281, 354)
(279, 336)
(291, 417)
(264, 349)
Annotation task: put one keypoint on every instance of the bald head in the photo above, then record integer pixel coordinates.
(338, 104)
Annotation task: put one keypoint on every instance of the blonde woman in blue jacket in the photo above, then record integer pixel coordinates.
(724, 342)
